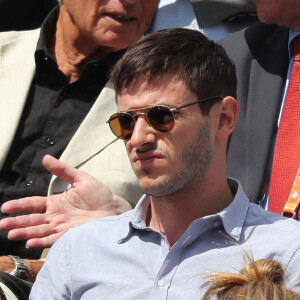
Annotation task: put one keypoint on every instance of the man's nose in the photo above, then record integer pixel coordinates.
(143, 133)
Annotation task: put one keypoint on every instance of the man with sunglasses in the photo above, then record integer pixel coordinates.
(227, 16)
(176, 111)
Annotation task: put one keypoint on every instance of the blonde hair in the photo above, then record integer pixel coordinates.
(258, 280)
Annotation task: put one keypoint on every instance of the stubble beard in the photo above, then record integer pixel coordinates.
(195, 159)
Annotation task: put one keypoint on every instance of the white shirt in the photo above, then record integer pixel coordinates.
(180, 13)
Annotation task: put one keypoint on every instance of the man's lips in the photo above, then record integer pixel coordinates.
(120, 17)
(146, 157)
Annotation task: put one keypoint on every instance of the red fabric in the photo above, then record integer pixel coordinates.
(286, 157)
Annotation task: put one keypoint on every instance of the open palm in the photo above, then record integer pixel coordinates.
(51, 216)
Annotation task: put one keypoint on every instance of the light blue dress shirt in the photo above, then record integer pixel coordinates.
(119, 257)
(180, 13)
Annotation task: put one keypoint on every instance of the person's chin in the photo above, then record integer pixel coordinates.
(152, 186)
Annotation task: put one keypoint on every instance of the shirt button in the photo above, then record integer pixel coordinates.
(29, 182)
(46, 59)
(50, 141)
(216, 224)
(162, 242)
(161, 283)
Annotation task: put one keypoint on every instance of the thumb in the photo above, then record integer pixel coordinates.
(61, 169)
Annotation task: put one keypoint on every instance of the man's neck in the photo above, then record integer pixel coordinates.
(173, 214)
(71, 51)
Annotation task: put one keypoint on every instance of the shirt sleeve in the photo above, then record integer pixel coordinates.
(53, 280)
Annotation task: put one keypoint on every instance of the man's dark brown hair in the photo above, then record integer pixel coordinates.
(204, 65)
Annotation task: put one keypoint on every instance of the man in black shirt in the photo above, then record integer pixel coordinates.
(53, 111)
(77, 45)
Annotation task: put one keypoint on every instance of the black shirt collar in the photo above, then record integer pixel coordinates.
(90, 71)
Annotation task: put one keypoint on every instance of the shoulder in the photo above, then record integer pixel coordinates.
(271, 234)
(256, 33)
(259, 216)
(101, 235)
(18, 47)
(254, 40)
(96, 234)
(15, 36)
(112, 227)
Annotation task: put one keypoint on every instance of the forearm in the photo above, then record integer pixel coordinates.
(34, 267)
(7, 265)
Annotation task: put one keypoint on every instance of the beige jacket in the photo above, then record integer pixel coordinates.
(93, 147)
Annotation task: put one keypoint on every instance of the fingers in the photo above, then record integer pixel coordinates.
(32, 228)
(21, 222)
(29, 204)
(61, 170)
(30, 232)
(44, 242)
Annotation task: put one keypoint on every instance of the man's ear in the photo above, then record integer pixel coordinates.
(228, 111)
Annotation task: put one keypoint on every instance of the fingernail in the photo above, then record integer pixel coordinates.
(4, 213)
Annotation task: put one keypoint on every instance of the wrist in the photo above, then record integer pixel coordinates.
(34, 267)
(6, 264)
(20, 268)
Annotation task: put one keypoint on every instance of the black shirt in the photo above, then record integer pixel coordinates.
(53, 112)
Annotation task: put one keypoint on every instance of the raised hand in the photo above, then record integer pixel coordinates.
(85, 200)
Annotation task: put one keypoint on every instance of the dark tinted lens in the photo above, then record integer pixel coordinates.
(161, 118)
(122, 125)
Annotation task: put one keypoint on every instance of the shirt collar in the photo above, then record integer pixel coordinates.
(139, 217)
(48, 29)
(292, 35)
(91, 70)
(232, 217)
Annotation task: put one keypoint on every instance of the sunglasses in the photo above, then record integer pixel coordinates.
(159, 117)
